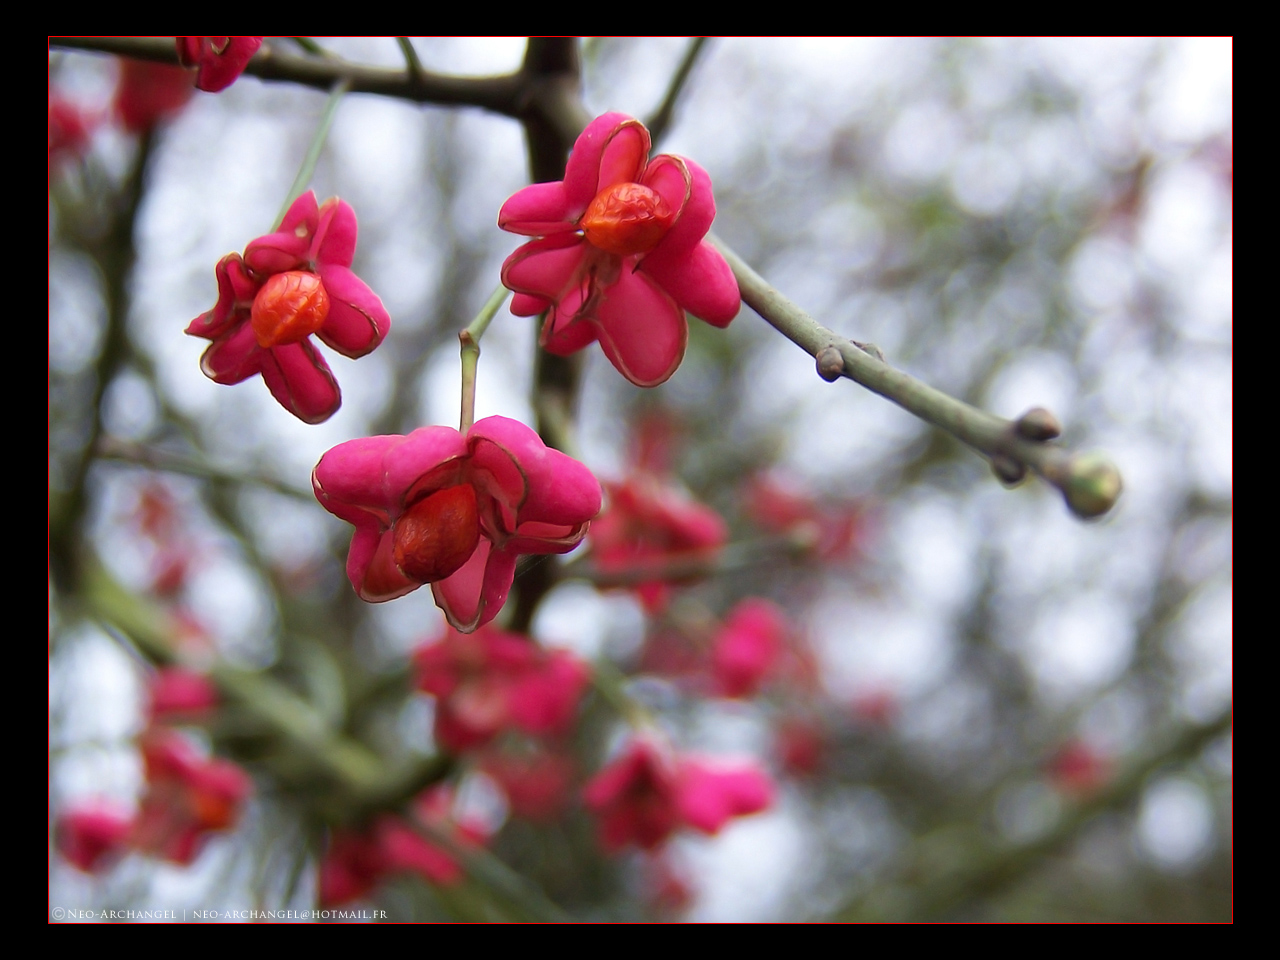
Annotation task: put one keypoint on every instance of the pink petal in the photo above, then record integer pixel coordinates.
(352, 475)
(236, 290)
(700, 280)
(560, 489)
(424, 460)
(539, 210)
(571, 336)
(473, 596)
(642, 330)
(357, 320)
(612, 149)
(219, 70)
(528, 305)
(298, 377)
(233, 358)
(335, 241)
(290, 245)
(671, 178)
(708, 797)
(668, 175)
(546, 267)
(371, 566)
(498, 477)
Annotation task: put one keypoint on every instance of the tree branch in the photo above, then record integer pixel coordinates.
(1090, 483)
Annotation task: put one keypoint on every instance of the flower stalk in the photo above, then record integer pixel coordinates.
(470, 350)
(308, 168)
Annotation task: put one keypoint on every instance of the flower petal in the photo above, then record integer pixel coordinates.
(539, 210)
(299, 378)
(679, 179)
(429, 453)
(545, 268)
(350, 477)
(357, 320)
(642, 330)
(290, 245)
(234, 357)
(700, 280)
(371, 566)
(561, 490)
(473, 596)
(236, 290)
(335, 241)
(613, 148)
(563, 334)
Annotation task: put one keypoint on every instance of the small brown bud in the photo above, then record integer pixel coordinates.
(830, 363)
(1092, 485)
(1038, 424)
(1009, 470)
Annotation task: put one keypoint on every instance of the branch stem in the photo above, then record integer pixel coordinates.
(308, 168)
(1089, 482)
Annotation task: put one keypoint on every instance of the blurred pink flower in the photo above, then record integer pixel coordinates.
(456, 512)
(220, 59)
(91, 836)
(287, 286)
(651, 525)
(536, 784)
(619, 253)
(492, 681)
(177, 694)
(188, 796)
(829, 532)
(747, 647)
(646, 793)
(150, 92)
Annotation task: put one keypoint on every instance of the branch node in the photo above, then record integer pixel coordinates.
(1038, 425)
(870, 349)
(830, 363)
(1009, 470)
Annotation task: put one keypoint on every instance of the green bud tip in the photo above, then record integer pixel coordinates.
(1092, 485)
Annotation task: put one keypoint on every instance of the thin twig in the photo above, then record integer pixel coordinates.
(1090, 482)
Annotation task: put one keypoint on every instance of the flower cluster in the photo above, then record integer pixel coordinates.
(493, 681)
(287, 286)
(619, 254)
(188, 797)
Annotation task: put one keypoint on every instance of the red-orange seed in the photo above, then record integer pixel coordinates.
(437, 535)
(627, 218)
(289, 308)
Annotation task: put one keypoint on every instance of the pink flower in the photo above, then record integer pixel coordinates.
(536, 784)
(748, 646)
(645, 794)
(619, 254)
(92, 836)
(187, 797)
(149, 93)
(826, 531)
(287, 286)
(493, 681)
(455, 512)
(220, 59)
(178, 694)
(650, 526)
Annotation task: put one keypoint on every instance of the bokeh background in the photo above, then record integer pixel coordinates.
(1019, 715)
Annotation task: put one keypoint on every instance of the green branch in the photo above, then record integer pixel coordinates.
(1090, 483)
